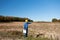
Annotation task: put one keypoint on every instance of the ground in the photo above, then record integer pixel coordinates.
(13, 30)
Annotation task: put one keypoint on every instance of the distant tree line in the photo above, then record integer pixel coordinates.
(55, 20)
(13, 19)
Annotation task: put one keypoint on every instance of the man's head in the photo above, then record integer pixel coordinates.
(26, 20)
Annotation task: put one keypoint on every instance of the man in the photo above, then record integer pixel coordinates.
(25, 30)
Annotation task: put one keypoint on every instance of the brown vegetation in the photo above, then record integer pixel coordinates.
(50, 30)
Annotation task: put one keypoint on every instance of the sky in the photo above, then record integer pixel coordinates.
(37, 10)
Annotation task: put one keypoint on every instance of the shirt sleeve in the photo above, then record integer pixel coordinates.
(29, 22)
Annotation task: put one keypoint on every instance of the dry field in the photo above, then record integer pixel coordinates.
(13, 30)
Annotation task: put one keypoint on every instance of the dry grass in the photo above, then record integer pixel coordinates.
(50, 30)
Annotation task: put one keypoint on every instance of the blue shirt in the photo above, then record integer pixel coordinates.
(26, 25)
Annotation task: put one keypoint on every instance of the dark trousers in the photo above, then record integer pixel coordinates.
(26, 34)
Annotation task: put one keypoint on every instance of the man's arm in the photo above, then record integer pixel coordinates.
(29, 22)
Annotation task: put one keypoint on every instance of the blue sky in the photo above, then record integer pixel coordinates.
(37, 10)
